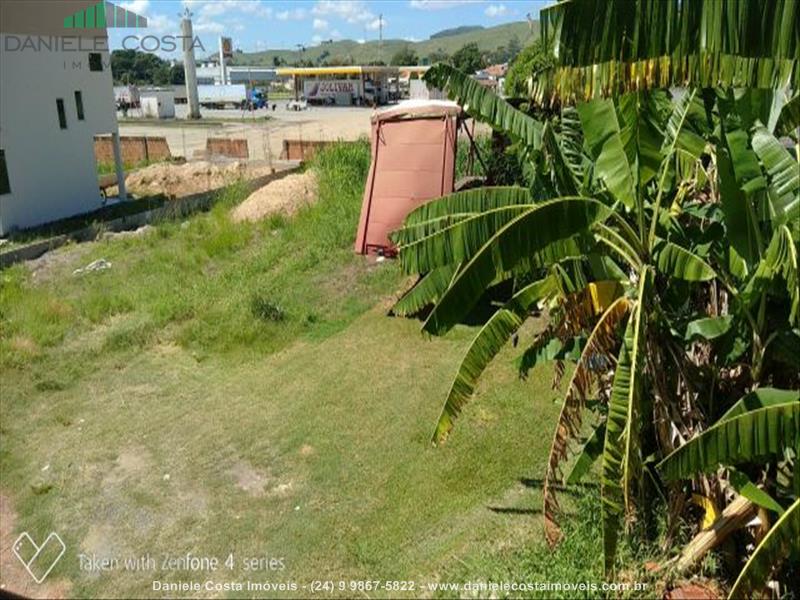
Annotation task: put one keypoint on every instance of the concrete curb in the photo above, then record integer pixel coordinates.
(173, 209)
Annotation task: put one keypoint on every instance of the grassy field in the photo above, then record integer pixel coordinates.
(236, 389)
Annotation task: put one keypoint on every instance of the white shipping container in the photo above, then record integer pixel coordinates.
(159, 105)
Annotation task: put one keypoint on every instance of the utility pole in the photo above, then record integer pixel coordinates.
(380, 28)
(189, 66)
(222, 74)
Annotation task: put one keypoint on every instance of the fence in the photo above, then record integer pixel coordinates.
(135, 149)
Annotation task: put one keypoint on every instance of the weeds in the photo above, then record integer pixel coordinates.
(266, 310)
(205, 282)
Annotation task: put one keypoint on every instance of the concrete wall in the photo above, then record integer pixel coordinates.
(235, 148)
(135, 149)
(419, 90)
(302, 149)
(51, 171)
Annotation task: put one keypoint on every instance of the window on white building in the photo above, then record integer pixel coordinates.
(62, 115)
(5, 187)
(95, 61)
(79, 104)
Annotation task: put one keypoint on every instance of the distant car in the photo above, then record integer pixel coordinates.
(296, 105)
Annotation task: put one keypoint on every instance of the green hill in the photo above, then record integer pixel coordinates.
(456, 31)
(351, 52)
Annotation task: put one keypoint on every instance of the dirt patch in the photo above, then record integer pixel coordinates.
(176, 180)
(130, 463)
(257, 483)
(13, 576)
(286, 195)
(307, 450)
(248, 478)
(57, 262)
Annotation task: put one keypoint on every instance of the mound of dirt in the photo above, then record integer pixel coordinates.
(176, 180)
(286, 195)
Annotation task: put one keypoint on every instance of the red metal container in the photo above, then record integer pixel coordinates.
(413, 161)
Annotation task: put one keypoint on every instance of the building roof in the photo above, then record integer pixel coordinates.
(417, 109)
(495, 71)
(344, 70)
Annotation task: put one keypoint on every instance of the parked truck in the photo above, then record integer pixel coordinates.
(221, 96)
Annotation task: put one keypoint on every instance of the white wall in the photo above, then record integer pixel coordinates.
(51, 171)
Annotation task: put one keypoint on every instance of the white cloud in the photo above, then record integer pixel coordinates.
(496, 10)
(316, 39)
(161, 24)
(215, 8)
(375, 24)
(320, 24)
(352, 11)
(297, 14)
(335, 34)
(411, 39)
(439, 4)
(138, 6)
(203, 24)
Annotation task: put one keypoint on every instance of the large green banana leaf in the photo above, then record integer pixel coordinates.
(608, 47)
(621, 451)
(708, 328)
(789, 119)
(426, 291)
(548, 229)
(642, 131)
(484, 105)
(784, 174)
(441, 212)
(780, 543)
(759, 398)
(458, 241)
(489, 341)
(601, 130)
(567, 184)
(780, 259)
(750, 436)
(602, 341)
(742, 185)
(680, 263)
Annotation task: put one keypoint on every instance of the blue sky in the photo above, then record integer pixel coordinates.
(260, 24)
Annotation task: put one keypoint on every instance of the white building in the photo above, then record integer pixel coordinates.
(55, 96)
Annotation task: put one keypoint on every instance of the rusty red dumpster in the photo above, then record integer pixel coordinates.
(413, 160)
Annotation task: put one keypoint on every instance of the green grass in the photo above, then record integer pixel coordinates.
(237, 388)
(107, 168)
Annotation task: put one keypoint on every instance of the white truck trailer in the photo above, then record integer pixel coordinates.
(220, 96)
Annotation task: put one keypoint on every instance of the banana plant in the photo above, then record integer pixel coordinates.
(660, 231)
(639, 210)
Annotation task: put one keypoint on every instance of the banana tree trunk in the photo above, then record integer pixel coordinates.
(735, 516)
